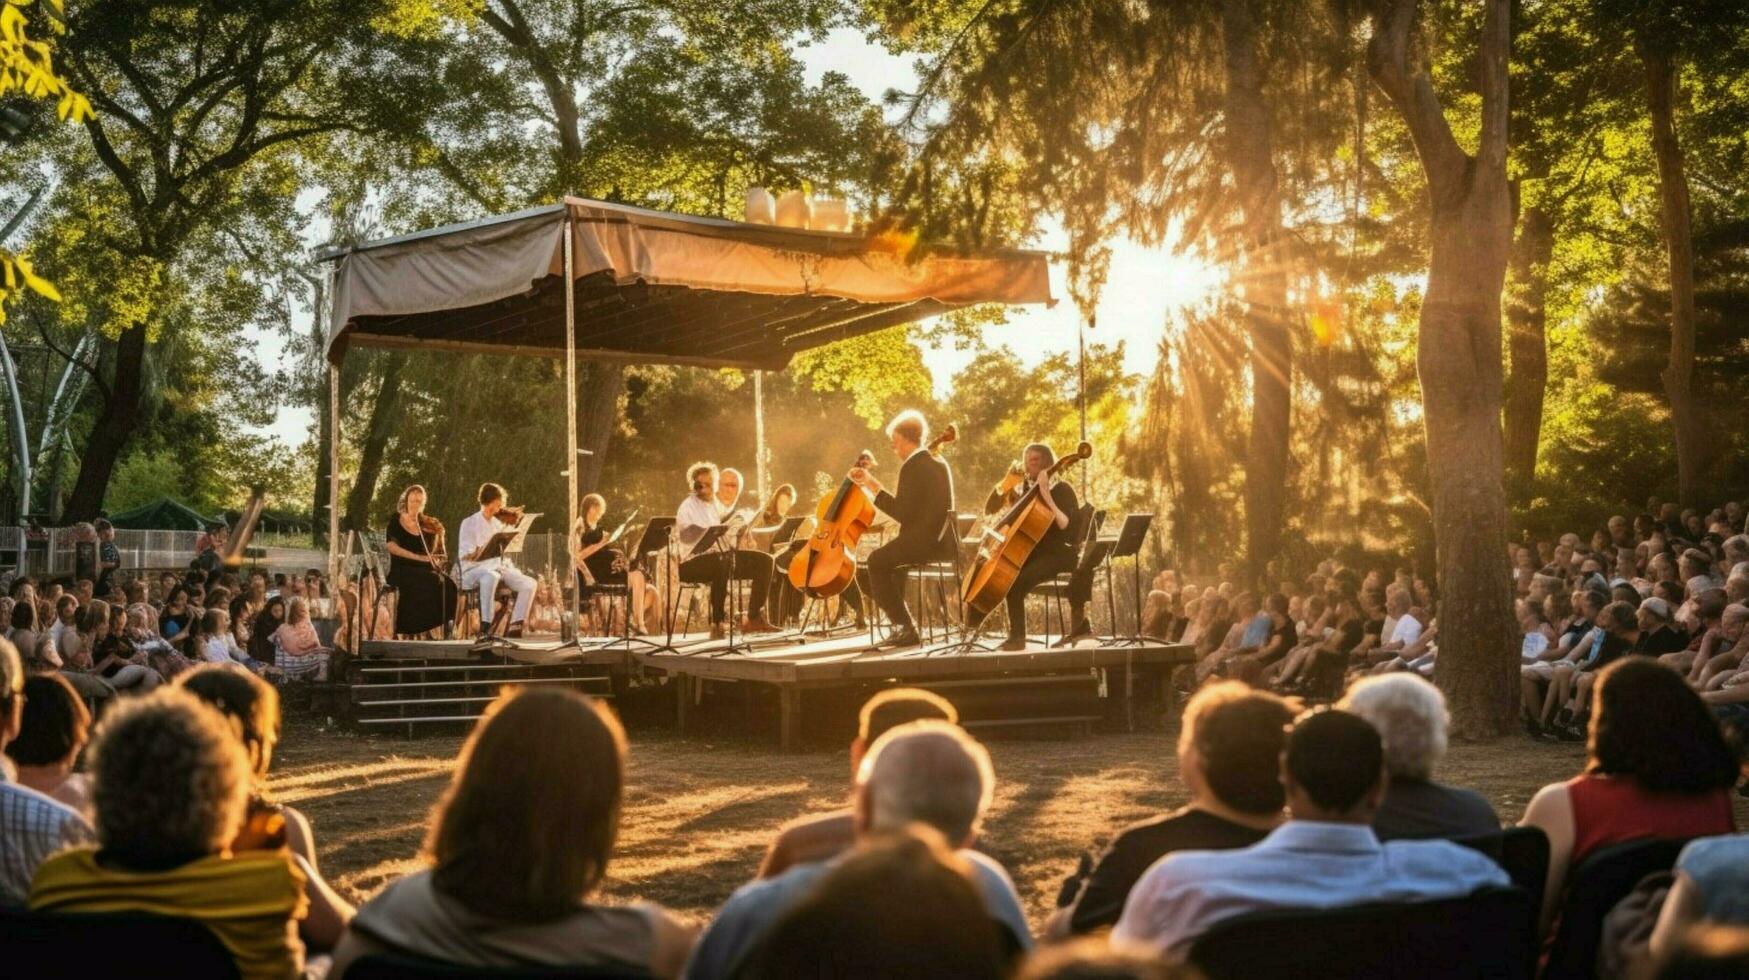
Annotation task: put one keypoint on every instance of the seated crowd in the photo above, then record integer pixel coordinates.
(1288, 809)
(1671, 584)
(125, 635)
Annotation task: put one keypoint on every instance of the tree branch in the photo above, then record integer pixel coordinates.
(1392, 61)
(42, 331)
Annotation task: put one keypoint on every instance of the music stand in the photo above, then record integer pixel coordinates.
(652, 540)
(1128, 544)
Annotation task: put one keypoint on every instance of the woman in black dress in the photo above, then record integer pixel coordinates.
(426, 594)
(607, 565)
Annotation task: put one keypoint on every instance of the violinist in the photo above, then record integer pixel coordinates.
(485, 574)
(1055, 553)
(417, 566)
(599, 563)
(920, 505)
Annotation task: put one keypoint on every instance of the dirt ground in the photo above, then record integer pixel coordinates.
(701, 810)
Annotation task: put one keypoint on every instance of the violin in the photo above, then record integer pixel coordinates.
(1008, 544)
(511, 516)
(827, 564)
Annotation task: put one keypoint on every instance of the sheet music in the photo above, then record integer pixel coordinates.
(619, 532)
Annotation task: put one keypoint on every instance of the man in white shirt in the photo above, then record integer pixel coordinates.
(485, 575)
(1326, 856)
(698, 513)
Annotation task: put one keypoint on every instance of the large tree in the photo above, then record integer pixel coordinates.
(198, 103)
(1459, 352)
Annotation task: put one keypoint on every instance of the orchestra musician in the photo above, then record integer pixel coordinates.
(426, 595)
(920, 506)
(1054, 554)
(701, 510)
(606, 564)
(485, 574)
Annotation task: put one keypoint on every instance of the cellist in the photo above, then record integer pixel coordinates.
(923, 501)
(1055, 552)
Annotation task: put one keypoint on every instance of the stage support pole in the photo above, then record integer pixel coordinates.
(759, 453)
(334, 569)
(571, 462)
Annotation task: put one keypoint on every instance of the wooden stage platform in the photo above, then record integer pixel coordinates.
(1074, 688)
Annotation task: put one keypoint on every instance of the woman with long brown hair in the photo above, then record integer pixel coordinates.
(426, 595)
(517, 844)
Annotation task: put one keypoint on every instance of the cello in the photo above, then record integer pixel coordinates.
(826, 565)
(1008, 544)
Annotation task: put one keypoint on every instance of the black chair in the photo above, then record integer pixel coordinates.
(1593, 888)
(1523, 853)
(80, 946)
(943, 572)
(1485, 936)
(1083, 527)
(396, 966)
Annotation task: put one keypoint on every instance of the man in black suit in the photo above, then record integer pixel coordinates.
(921, 507)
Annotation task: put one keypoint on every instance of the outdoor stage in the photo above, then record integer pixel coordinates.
(796, 687)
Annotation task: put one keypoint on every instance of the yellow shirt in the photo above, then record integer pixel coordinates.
(251, 901)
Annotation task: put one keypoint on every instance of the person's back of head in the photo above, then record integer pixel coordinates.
(1097, 959)
(1650, 726)
(250, 704)
(55, 723)
(170, 781)
(528, 823)
(1705, 952)
(11, 691)
(1236, 734)
(893, 707)
(1334, 767)
(1410, 716)
(901, 905)
(928, 772)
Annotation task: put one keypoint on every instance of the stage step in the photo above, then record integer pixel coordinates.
(417, 693)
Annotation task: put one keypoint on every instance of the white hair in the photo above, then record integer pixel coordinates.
(1410, 714)
(909, 422)
(928, 772)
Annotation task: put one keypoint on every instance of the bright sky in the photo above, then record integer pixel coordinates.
(1144, 286)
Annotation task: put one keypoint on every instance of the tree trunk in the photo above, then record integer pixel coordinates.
(1527, 344)
(1263, 287)
(115, 426)
(599, 385)
(1459, 359)
(1692, 445)
(384, 416)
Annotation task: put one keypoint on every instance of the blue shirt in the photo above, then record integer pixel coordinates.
(757, 904)
(1719, 868)
(1256, 632)
(1302, 864)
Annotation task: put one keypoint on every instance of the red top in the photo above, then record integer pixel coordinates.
(1609, 810)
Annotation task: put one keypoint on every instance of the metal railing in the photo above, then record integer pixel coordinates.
(47, 552)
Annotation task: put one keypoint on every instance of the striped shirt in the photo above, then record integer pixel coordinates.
(32, 827)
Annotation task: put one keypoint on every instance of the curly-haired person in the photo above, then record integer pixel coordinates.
(171, 786)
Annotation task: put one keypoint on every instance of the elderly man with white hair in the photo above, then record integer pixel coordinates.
(928, 772)
(1411, 717)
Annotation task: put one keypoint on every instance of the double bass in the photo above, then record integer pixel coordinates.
(1009, 542)
(826, 565)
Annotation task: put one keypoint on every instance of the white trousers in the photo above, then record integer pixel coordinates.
(486, 577)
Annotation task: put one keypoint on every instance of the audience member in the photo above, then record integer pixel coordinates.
(825, 835)
(32, 826)
(1229, 758)
(1711, 888)
(1325, 856)
(1095, 959)
(298, 650)
(1657, 766)
(252, 707)
(518, 842)
(50, 736)
(1411, 719)
(171, 784)
(902, 904)
(927, 772)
